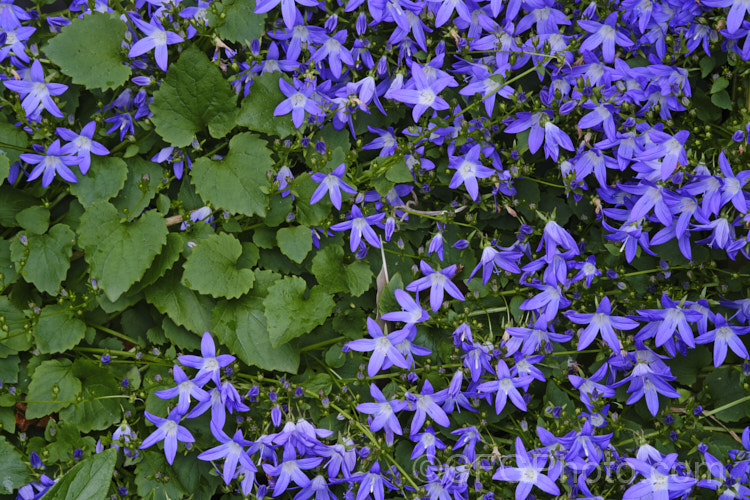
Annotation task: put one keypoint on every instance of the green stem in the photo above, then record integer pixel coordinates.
(114, 333)
(325, 343)
(726, 406)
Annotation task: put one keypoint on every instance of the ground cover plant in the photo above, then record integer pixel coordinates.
(374, 249)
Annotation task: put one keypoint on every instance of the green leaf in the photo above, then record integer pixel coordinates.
(162, 263)
(4, 167)
(295, 242)
(258, 107)
(399, 172)
(179, 336)
(149, 478)
(212, 269)
(89, 479)
(119, 252)
(237, 21)
(58, 329)
(104, 180)
(48, 259)
(327, 268)
(15, 473)
(194, 95)
(358, 277)
(53, 387)
(17, 338)
(724, 385)
(235, 183)
(89, 51)
(13, 136)
(183, 306)
(707, 65)
(289, 314)
(722, 100)
(95, 411)
(241, 326)
(719, 84)
(34, 219)
(140, 187)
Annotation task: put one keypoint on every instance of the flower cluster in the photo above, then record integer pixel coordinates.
(568, 152)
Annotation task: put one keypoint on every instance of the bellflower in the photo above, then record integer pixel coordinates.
(427, 403)
(424, 94)
(438, 282)
(373, 484)
(468, 170)
(505, 387)
(725, 335)
(528, 473)
(601, 322)
(289, 11)
(156, 39)
(334, 184)
(658, 482)
(232, 451)
(36, 93)
(493, 260)
(411, 313)
(383, 413)
(168, 431)
(298, 100)
(209, 365)
(382, 347)
(82, 145)
(605, 35)
(184, 390)
(291, 470)
(589, 389)
(55, 162)
(360, 227)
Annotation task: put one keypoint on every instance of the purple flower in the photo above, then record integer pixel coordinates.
(382, 347)
(168, 431)
(334, 50)
(736, 14)
(505, 387)
(386, 141)
(411, 312)
(332, 183)
(290, 470)
(670, 149)
(421, 93)
(55, 161)
(548, 302)
(156, 39)
(298, 100)
(492, 259)
(289, 10)
(82, 145)
(372, 483)
(427, 403)
(602, 323)
(360, 226)
(36, 94)
(383, 413)
(438, 282)
(184, 390)
(528, 473)
(468, 170)
(530, 340)
(605, 35)
(208, 364)
(658, 482)
(725, 335)
(232, 451)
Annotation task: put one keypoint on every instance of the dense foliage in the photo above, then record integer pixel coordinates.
(447, 249)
